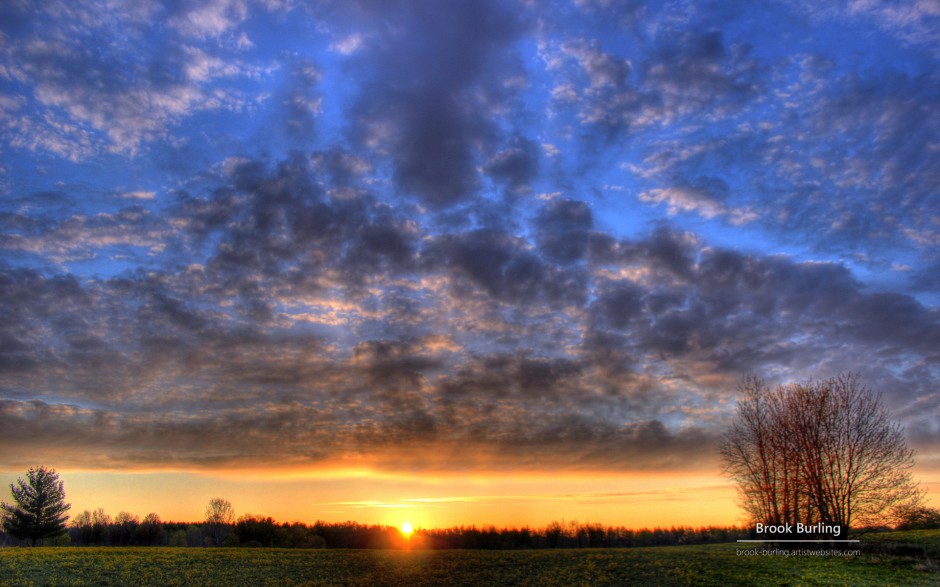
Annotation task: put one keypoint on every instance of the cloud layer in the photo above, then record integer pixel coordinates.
(454, 236)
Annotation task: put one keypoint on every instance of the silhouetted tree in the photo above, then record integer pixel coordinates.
(82, 532)
(553, 533)
(150, 531)
(100, 526)
(917, 518)
(219, 517)
(124, 530)
(817, 452)
(262, 530)
(96, 527)
(39, 508)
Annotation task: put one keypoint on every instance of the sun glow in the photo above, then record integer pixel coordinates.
(407, 529)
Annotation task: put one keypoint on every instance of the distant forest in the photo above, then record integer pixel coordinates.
(99, 529)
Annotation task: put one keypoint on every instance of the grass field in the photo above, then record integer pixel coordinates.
(908, 558)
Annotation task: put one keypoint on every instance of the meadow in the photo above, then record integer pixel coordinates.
(896, 558)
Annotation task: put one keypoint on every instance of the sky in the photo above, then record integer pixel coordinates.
(488, 262)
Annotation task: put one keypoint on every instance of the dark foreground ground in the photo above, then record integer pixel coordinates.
(899, 558)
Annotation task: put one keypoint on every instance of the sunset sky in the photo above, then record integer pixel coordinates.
(456, 262)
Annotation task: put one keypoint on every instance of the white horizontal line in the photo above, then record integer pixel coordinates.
(817, 540)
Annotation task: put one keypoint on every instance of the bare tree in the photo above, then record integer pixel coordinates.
(820, 452)
(83, 525)
(918, 517)
(124, 530)
(150, 531)
(220, 515)
(753, 456)
(100, 524)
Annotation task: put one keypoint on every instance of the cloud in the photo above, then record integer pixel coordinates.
(108, 439)
(301, 103)
(685, 199)
(516, 166)
(696, 199)
(911, 21)
(504, 268)
(139, 195)
(689, 73)
(213, 18)
(875, 166)
(83, 237)
(348, 45)
(115, 98)
(697, 70)
(553, 368)
(602, 69)
(563, 230)
(808, 168)
(434, 77)
(314, 236)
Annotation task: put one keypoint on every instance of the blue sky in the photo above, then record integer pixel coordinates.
(451, 236)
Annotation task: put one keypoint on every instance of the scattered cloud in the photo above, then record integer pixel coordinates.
(424, 236)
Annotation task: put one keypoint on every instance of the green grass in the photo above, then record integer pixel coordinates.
(717, 565)
(929, 539)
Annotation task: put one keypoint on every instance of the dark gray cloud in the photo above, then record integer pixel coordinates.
(651, 310)
(563, 229)
(435, 73)
(278, 232)
(687, 73)
(698, 70)
(505, 268)
(516, 165)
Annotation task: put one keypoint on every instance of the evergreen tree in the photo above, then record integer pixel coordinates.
(39, 508)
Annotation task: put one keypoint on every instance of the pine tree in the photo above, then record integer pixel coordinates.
(39, 508)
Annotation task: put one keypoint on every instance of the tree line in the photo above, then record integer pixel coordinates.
(97, 528)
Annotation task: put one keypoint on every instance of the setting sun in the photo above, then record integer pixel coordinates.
(406, 529)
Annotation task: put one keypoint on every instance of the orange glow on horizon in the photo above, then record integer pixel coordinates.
(422, 500)
(425, 501)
